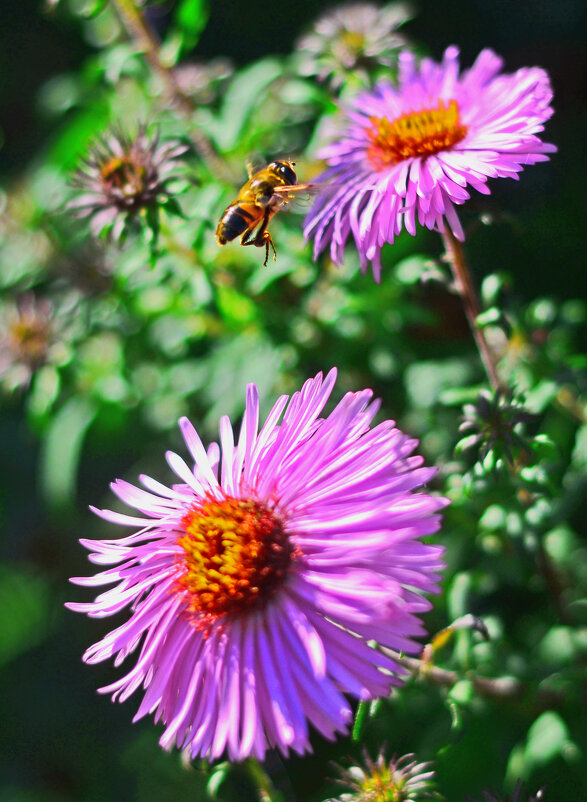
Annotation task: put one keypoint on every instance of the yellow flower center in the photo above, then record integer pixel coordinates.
(382, 786)
(420, 133)
(236, 554)
(349, 47)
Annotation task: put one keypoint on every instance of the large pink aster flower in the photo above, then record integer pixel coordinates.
(257, 584)
(410, 152)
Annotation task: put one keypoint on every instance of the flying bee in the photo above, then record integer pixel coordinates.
(265, 193)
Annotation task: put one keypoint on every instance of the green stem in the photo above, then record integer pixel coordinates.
(263, 782)
(465, 288)
(359, 721)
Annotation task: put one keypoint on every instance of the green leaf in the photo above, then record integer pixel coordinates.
(462, 692)
(72, 141)
(492, 287)
(458, 595)
(235, 307)
(218, 776)
(44, 391)
(241, 99)
(172, 207)
(540, 396)
(62, 449)
(490, 317)
(546, 739)
(189, 21)
(411, 269)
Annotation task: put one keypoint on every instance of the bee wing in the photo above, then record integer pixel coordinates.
(255, 162)
(297, 195)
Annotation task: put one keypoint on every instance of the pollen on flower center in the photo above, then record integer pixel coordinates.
(125, 174)
(236, 555)
(420, 133)
(380, 785)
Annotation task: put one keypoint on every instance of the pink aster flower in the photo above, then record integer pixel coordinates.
(409, 153)
(259, 582)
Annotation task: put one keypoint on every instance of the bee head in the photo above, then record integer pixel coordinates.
(286, 170)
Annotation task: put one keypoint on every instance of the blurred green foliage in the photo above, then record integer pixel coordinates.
(105, 345)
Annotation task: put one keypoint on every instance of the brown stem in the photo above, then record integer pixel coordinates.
(138, 29)
(464, 285)
(490, 687)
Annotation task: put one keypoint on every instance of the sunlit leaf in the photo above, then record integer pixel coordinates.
(62, 450)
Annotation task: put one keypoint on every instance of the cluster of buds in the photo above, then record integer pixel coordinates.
(493, 423)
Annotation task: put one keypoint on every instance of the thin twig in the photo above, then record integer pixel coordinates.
(465, 288)
(490, 687)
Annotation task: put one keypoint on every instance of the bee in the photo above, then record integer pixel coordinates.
(265, 193)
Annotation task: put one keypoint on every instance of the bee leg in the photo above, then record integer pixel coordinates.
(267, 240)
(262, 237)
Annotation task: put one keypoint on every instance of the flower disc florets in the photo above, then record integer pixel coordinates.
(401, 779)
(236, 555)
(258, 584)
(408, 153)
(420, 133)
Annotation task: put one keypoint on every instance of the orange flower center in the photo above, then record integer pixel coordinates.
(29, 336)
(236, 555)
(420, 133)
(124, 173)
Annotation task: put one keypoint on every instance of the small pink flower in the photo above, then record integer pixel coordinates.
(409, 153)
(258, 583)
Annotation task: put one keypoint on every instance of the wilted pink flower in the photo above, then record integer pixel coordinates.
(27, 331)
(409, 152)
(256, 585)
(123, 176)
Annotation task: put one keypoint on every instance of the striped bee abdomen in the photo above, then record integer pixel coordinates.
(235, 221)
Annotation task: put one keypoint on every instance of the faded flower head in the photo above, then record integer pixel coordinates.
(123, 177)
(353, 38)
(26, 334)
(400, 779)
(258, 583)
(409, 152)
(493, 423)
(200, 81)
